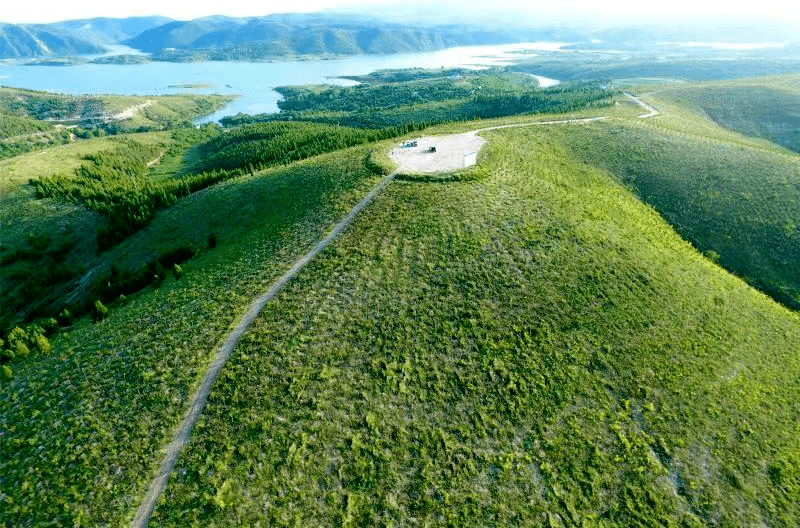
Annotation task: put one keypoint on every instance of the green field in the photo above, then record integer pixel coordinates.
(558, 341)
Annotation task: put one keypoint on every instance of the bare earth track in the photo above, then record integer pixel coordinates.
(451, 150)
(128, 113)
(449, 156)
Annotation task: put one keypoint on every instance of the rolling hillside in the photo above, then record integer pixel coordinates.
(767, 108)
(736, 202)
(535, 346)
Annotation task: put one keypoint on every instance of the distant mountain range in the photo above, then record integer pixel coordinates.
(221, 38)
(109, 30)
(328, 34)
(286, 35)
(18, 41)
(74, 37)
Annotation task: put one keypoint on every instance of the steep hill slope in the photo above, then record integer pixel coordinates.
(767, 107)
(732, 196)
(109, 30)
(26, 40)
(534, 348)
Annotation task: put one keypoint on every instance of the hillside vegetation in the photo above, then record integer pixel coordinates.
(421, 100)
(133, 177)
(768, 108)
(534, 348)
(108, 110)
(736, 199)
(32, 120)
(82, 426)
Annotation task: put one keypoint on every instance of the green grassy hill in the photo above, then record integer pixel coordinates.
(736, 197)
(767, 107)
(82, 427)
(739, 201)
(533, 347)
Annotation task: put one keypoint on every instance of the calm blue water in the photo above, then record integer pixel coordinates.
(253, 82)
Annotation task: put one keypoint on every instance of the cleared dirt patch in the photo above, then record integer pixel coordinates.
(449, 155)
(128, 113)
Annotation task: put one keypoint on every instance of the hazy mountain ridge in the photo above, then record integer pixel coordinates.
(330, 33)
(18, 41)
(71, 37)
(109, 30)
(308, 35)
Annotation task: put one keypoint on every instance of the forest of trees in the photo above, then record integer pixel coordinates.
(260, 145)
(427, 101)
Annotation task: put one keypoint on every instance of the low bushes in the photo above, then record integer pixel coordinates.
(20, 343)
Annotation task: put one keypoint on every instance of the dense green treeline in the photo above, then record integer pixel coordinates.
(424, 102)
(114, 184)
(11, 125)
(368, 97)
(117, 182)
(262, 145)
(431, 109)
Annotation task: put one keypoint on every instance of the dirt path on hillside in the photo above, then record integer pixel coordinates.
(651, 111)
(182, 434)
(129, 112)
(156, 160)
(461, 144)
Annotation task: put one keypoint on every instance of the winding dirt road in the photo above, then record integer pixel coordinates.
(651, 111)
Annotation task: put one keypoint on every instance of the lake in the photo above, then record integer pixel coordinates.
(254, 82)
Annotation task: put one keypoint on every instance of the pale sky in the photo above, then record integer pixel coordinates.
(20, 11)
